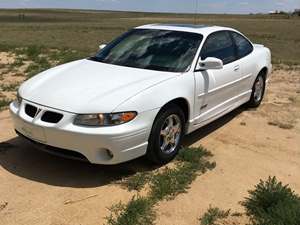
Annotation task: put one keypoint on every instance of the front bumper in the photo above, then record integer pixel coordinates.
(124, 142)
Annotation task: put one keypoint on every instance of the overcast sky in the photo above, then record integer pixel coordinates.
(204, 6)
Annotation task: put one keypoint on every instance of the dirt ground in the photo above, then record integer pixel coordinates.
(248, 145)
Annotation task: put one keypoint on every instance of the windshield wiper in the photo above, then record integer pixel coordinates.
(95, 58)
(156, 67)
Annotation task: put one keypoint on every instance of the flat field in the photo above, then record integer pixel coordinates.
(247, 145)
(85, 30)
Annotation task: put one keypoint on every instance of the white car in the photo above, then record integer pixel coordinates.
(140, 94)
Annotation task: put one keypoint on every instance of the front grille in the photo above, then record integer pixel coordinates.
(30, 110)
(51, 117)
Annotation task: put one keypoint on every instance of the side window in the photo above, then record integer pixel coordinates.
(219, 45)
(244, 47)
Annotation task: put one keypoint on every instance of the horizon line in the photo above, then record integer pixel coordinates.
(135, 11)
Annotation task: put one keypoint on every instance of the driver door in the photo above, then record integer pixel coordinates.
(220, 86)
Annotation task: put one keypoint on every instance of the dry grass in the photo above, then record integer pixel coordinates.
(281, 125)
(85, 30)
(166, 184)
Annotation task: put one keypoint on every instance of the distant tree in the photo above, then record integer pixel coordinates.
(21, 16)
(296, 12)
(282, 13)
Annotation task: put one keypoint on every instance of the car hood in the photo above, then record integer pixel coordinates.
(87, 86)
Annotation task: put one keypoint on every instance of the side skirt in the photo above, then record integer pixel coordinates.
(231, 105)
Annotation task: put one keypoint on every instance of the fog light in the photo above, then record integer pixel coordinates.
(109, 153)
(104, 154)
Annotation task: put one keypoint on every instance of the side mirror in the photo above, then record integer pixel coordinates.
(102, 46)
(210, 63)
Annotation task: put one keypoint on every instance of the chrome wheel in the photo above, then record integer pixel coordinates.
(258, 89)
(170, 134)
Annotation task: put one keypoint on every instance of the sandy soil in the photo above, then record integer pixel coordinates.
(37, 188)
(10, 75)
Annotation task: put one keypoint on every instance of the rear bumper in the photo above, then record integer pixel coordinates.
(124, 142)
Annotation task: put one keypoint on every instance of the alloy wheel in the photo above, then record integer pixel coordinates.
(258, 89)
(170, 134)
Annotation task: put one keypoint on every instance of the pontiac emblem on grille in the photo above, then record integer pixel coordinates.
(37, 112)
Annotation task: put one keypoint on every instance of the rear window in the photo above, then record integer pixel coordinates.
(244, 47)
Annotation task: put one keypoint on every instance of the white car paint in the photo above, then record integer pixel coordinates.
(85, 87)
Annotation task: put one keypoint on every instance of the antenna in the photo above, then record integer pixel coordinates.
(196, 10)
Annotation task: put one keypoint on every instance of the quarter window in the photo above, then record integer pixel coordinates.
(219, 45)
(244, 47)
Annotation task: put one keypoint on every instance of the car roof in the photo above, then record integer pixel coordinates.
(193, 28)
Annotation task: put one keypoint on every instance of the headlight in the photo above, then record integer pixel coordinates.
(104, 119)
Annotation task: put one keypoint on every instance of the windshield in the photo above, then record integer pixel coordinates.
(160, 50)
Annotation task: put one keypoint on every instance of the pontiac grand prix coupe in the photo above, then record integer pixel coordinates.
(141, 93)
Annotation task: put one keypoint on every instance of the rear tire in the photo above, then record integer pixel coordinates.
(258, 91)
(166, 135)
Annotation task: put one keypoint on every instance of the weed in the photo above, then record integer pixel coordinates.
(286, 126)
(272, 203)
(243, 123)
(137, 181)
(17, 74)
(273, 123)
(292, 99)
(36, 67)
(32, 70)
(195, 156)
(2, 66)
(4, 47)
(164, 184)
(17, 63)
(3, 205)
(32, 52)
(138, 211)
(4, 103)
(43, 62)
(10, 87)
(65, 56)
(212, 215)
(171, 182)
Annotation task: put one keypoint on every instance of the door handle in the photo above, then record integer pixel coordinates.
(236, 68)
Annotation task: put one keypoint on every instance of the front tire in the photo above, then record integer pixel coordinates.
(258, 91)
(166, 135)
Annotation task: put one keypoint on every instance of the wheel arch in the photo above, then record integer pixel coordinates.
(182, 103)
(179, 102)
(264, 72)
